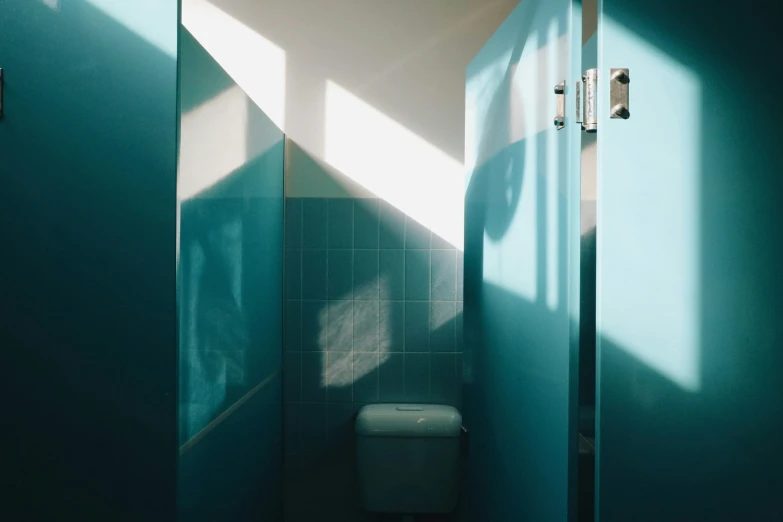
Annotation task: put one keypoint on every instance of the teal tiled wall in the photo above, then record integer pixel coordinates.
(373, 313)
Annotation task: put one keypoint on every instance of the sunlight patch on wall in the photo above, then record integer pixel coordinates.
(660, 250)
(150, 19)
(336, 328)
(54, 5)
(342, 369)
(337, 369)
(257, 65)
(339, 326)
(394, 163)
(441, 317)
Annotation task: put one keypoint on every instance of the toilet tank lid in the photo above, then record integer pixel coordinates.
(408, 420)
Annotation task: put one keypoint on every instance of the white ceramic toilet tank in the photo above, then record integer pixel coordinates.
(408, 457)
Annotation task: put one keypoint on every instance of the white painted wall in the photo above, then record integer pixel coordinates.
(369, 92)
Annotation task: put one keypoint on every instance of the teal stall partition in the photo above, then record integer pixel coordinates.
(230, 273)
(690, 295)
(522, 269)
(88, 152)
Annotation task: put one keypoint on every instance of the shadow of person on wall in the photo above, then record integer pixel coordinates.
(230, 282)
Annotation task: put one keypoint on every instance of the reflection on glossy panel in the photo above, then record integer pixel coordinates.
(232, 371)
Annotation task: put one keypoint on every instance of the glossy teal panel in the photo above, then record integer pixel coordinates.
(88, 335)
(230, 299)
(690, 342)
(235, 473)
(522, 269)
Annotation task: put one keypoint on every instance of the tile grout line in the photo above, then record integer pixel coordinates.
(328, 317)
(456, 271)
(429, 325)
(327, 204)
(373, 351)
(299, 437)
(301, 318)
(378, 326)
(384, 300)
(375, 248)
(404, 318)
(353, 293)
(326, 296)
(378, 271)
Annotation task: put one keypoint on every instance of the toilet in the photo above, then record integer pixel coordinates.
(408, 457)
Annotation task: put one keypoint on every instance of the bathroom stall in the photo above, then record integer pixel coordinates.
(142, 271)
(677, 274)
(522, 244)
(230, 298)
(689, 294)
(186, 338)
(88, 158)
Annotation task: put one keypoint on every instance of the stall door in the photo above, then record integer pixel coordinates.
(690, 295)
(88, 340)
(521, 267)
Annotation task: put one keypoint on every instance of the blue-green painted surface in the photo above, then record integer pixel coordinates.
(230, 300)
(522, 269)
(88, 336)
(690, 296)
(373, 314)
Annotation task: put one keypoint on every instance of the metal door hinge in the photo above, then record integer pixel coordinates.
(586, 100)
(618, 93)
(560, 115)
(587, 97)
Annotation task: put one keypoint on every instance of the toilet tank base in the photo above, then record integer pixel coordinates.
(408, 475)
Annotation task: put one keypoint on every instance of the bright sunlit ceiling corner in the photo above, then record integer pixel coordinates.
(394, 163)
